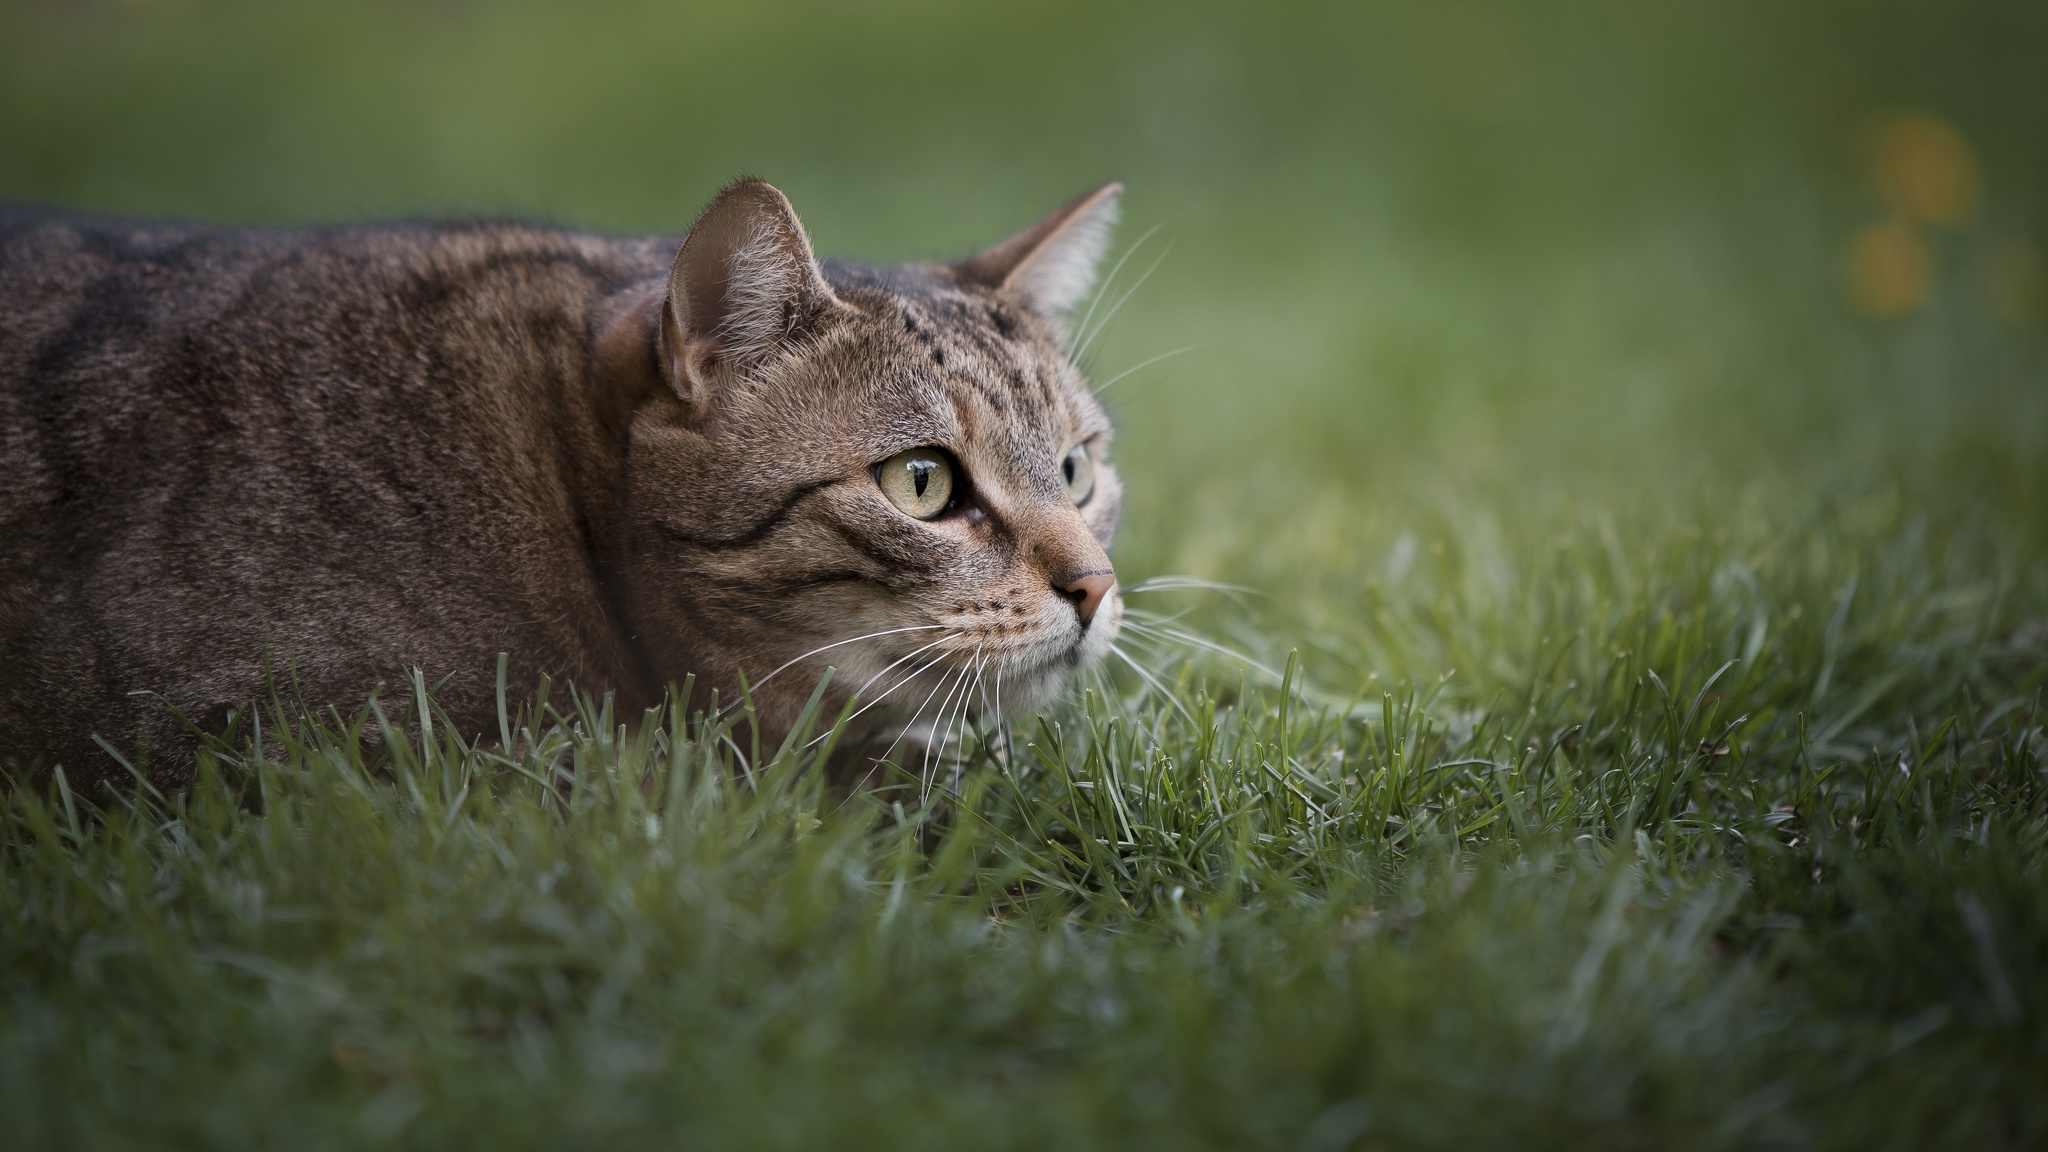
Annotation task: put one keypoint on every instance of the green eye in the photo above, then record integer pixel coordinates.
(1078, 470)
(919, 481)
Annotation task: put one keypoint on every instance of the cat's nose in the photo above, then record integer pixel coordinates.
(1087, 591)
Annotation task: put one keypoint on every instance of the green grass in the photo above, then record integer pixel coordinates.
(1639, 890)
(1653, 753)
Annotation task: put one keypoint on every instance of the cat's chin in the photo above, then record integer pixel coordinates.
(1037, 686)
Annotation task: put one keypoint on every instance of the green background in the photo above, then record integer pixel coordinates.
(1664, 765)
(1574, 246)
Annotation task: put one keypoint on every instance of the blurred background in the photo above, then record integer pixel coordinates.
(1417, 270)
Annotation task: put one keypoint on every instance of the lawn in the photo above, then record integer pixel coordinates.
(1588, 482)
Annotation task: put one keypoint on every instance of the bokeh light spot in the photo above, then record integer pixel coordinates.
(1890, 269)
(1924, 168)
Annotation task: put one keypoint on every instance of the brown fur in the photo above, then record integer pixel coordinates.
(349, 451)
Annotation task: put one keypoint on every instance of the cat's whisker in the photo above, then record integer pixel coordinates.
(826, 648)
(1142, 364)
(944, 675)
(899, 660)
(1104, 687)
(1109, 281)
(1103, 324)
(997, 712)
(959, 722)
(1151, 643)
(883, 758)
(1149, 678)
(1172, 583)
(1139, 628)
(1141, 617)
(1166, 642)
(1158, 654)
(1150, 616)
(1154, 685)
(891, 690)
(925, 762)
(973, 708)
(973, 722)
(967, 717)
(942, 726)
(912, 722)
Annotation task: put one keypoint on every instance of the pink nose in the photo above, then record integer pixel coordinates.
(1087, 591)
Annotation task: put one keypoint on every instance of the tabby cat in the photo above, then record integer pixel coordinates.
(326, 456)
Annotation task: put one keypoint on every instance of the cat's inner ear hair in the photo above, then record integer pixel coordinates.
(744, 285)
(1051, 265)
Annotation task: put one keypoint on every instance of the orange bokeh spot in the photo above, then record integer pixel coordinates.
(1925, 169)
(1890, 269)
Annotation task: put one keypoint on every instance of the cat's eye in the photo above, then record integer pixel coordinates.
(1078, 470)
(919, 481)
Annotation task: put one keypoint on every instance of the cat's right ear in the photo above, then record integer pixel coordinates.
(744, 288)
(1051, 265)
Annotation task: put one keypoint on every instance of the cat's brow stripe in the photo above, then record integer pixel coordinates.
(758, 532)
(752, 590)
(888, 559)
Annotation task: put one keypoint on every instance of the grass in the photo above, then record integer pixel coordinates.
(1639, 736)
(1679, 878)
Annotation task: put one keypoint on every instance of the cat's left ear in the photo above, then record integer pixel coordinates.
(1051, 265)
(744, 287)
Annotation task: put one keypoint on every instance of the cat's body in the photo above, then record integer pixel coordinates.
(325, 456)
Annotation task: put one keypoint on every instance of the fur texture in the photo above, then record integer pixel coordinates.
(329, 455)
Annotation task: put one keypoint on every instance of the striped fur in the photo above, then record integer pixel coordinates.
(232, 457)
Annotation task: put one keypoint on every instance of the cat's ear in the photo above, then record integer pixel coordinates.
(1051, 265)
(744, 285)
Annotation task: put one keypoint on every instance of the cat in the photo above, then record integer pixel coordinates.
(233, 458)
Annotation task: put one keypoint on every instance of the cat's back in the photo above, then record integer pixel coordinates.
(104, 300)
(358, 440)
(122, 339)
(54, 262)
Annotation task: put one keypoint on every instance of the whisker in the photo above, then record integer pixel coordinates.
(1104, 687)
(1103, 324)
(1175, 634)
(942, 727)
(900, 659)
(912, 722)
(1148, 678)
(890, 691)
(1002, 726)
(1157, 653)
(981, 712)
(1104, 386)
(1156, 645)
(826, 648)
(1141, 617)
(1110, 280)
(945, 732)
(1171, 583)
(962, 721)
(975, 722)
(908, 725)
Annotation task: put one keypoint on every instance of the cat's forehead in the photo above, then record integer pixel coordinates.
(980, 350)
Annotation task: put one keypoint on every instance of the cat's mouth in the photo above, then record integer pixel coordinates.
(1017, 673)
(976, 665)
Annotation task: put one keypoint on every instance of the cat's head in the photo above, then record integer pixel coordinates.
(897, 472)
